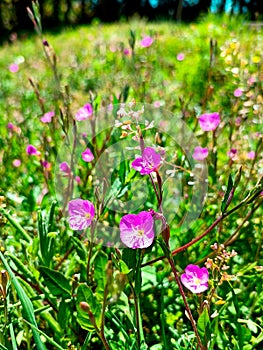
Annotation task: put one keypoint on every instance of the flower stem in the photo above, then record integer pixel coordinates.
(189, 313)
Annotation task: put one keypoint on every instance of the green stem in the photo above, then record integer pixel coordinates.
(136, 293)
(165, 345)
(189, 313)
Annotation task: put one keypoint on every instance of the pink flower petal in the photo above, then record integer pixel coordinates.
(136, 231)
(209, 121)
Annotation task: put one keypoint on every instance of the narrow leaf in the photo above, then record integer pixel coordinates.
(230, 185)
(28, 309)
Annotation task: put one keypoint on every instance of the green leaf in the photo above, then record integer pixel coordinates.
(129, 257)
(124, 267)
(28, 309)
(13, 338)
(203, 325)
(49, 340)
(16, 224)
(230, 185)
(57, 283)
(100, 277)
(80, 249)
(84, 294)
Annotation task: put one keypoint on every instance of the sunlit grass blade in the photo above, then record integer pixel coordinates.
(16, 224)
(49, 340)
(13, 338)
(28, 309)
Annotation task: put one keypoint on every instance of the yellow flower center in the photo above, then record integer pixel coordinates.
(87, 215)
(140, 232)
(197, 281)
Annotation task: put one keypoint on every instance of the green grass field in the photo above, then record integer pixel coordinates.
(68, 288)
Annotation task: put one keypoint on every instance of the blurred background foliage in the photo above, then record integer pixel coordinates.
(57, 13)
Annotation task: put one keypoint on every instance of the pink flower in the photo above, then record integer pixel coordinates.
(232, 153)
(77, 179)
(16, 163)
(47, 117)
(238, 92)
(157, 104)
(195, 278)
(126, 52)
(251, 155)
(147, 41)
(180, 56)
(209, 121)
(64, 167)
(13, 68)
(136, 231)
(87, 155)
(148, 163)
(32, 151)
(81, 213)
(45, 164)
(84, 112)
(200, 153)
(11, 126)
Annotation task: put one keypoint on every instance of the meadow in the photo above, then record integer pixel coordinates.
(131, 186)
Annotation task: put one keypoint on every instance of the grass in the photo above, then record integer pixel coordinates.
(83, 293)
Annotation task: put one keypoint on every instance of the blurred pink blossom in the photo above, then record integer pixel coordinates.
(232, 153)
(209, 121)
(87, 155)
(13, 67)
(180, 56)
(147, 41)
(32, 151)
(126, 52)
(45, 164)
(64, 167)
(84, 112)
(47, 117)
(16, 163)
(238, 92)
(200, 153)
(251, 155)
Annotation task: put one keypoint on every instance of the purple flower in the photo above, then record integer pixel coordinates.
(13, 68)
(64, 167)
(180, 56)
(238, 92)
(84, 112)
(11, 126)
(81, 213)
(137, 230)
(126, 52)
(147, 41)
(195, 278)
(148, 163)
(87, 155)
(32, 151)
(232, 153)
(209, 121)
(47, 117)
(45, 164)
(200, 153)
